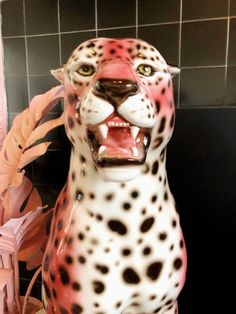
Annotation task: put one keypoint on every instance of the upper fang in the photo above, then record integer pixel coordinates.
(103, 130)
(134, 131)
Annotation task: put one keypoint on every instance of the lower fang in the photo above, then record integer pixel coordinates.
(101, 150)
(135, 151)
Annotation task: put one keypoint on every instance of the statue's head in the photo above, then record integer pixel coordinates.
(119, 106)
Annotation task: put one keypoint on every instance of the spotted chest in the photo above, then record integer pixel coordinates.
(116, 244)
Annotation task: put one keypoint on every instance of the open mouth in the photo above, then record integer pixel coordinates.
(116, 142)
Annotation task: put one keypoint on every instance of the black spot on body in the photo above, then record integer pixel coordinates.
(126, 206)
(130, 276)
(158, 141)
(166, 196)
(98, 287)
(163, 236)
(71, 99)
(76, 309)
(63, 310)
(70, 122)
(109, 196)
(81, 236)
(126, 252)
(154, 198)
(154, 270)
(52, 276)
(76, 286)
(68, 260)
(79, 195)
(102, 268)
(174, 223)
(162, 125)
(46, 263)
(65, 279)
(147, 224)
(158, 106)
(177, 263)
(82, 259)
(155, 167)
(172, 121)
(147, 250)
(117, 226)
(134, 194)
(82, 159)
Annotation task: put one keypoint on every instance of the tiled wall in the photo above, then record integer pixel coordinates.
(199, 36)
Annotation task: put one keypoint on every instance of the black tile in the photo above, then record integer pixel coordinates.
(43, 54)
(48, 194)
(24, 283)
(165, 38)
(70, 41)
(118, 33)
(230, 95)
(232, 7)
(51, 168)
(17, 94)
(115, 13)
(204, 43)
(201, 171)
(12, 18)
(14, 54)
(77, 15)
(202, 87)
(41, 16)
(200, 9)
(232, 42)
(41, 84)
(158, 11)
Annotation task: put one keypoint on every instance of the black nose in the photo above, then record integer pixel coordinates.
(115, 91)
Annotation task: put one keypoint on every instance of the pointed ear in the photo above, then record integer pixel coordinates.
(173, 70)
(59, 74)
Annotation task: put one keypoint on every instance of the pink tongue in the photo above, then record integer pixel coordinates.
(119, 140)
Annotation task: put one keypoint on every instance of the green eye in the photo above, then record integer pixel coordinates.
(86, 70)
(145, 69)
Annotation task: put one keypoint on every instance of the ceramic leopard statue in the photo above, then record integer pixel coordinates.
(116, 244)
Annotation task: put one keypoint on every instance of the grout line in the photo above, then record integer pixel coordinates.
(59, 30)
(207, 107)
(227, 49)
(26, 53)
(203, 66)
(206, 19)
(136, 19)
(96, 17)
(180, 49)
(27, 70)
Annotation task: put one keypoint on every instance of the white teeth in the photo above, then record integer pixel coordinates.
(135, 151)
(118, 124)
(101, 150)
(134, 131)
(103, 130)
